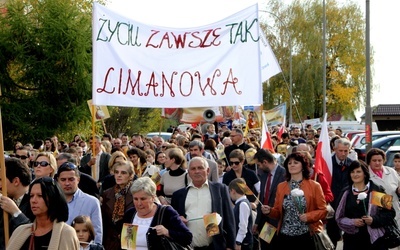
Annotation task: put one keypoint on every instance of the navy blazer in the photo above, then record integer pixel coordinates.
(221, 204)
(340, 179)
(279, 176)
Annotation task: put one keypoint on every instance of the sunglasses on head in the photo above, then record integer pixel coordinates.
(22, 157)
(41, 163)
(67, 166)
(234, 162)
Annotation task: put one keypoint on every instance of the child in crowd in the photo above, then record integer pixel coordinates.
(85, 232)
(242, 214)
(221, 169)
(396, 163)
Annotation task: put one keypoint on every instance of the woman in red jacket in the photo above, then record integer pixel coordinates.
(299, 206)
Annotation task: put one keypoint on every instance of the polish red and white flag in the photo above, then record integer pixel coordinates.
(323, 157)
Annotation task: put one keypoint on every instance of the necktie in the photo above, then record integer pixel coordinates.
(342, 166)
(267, 188)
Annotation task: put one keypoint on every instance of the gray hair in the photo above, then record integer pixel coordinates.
(343, 141)
(200, 159)
(195, 143)
(144, 184)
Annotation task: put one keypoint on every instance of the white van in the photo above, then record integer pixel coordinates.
(348, 125)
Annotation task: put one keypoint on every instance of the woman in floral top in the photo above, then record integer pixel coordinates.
(299, 206)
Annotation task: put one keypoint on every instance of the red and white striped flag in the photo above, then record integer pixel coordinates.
(266, 140)
(282, 128)
(323, 157)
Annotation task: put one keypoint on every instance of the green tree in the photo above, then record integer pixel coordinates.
(300, 24)
(45, 70)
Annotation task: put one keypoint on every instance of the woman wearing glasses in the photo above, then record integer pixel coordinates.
(116, 201)
(45, 164)
(236, 162)
(48, 230)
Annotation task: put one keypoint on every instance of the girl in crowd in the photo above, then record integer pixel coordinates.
(85, 232)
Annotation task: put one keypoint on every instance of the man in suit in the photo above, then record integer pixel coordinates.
(202, 197)
(340, 164)
(97, 165)
(16, 203)
(269, 172)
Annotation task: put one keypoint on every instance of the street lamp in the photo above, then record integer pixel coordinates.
(290, 64)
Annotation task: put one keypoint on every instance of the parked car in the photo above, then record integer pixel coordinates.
(383, 143)
(390, 155)
(165, 135)
(359, 139)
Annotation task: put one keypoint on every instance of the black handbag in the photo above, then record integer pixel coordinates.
(168, 243)
(391, 238)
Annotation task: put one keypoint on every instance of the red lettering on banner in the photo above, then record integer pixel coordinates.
(231, 80)
(196, 39)
(185, 85)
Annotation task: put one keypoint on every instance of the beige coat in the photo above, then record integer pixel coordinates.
(68, 241)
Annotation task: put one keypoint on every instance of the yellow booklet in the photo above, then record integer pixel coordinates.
(128, 236)
(267, 232)
(211, 222)
(381, 199)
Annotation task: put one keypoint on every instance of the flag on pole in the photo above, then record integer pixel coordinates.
(323, 157)
(282, 128)
(266, 140)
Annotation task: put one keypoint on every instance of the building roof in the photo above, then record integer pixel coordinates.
(386, 109)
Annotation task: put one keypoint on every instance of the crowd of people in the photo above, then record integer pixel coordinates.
(211, 189)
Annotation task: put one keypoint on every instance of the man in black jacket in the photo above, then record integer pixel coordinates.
(16, 203)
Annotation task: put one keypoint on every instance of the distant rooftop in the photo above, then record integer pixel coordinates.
(385, 110)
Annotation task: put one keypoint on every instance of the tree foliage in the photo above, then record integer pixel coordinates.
(45, 70)
(297, 30)
(45, 74)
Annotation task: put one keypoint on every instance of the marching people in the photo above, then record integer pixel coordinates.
(299, 206)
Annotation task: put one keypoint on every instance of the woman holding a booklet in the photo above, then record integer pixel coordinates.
(384, 176)
(153, 221)
(360, 213)
(116, 201)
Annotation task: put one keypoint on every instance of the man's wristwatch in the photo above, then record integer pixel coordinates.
(238, 243)
(15, 215)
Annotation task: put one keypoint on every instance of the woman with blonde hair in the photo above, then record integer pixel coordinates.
(45, 164)
(176, 176)
(116, 200)
(109, 180)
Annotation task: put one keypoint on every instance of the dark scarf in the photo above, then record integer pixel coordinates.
(119, 205)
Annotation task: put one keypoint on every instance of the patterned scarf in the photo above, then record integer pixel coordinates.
(119, 205)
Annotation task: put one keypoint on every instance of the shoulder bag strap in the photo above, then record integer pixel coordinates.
(160, 215)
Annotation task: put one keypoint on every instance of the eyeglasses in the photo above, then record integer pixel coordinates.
(234, 162)
(41, 163)
(22, 157)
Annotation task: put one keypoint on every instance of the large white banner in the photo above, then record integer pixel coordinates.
(138, 65)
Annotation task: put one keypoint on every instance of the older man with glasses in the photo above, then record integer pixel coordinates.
(237, 142)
